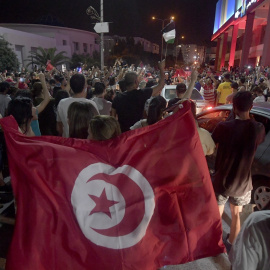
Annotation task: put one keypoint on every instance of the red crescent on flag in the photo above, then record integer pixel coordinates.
(134, 200)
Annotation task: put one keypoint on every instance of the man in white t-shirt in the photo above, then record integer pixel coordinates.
(79, 88)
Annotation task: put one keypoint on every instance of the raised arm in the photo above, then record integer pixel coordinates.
(157, 89)
(191, 85)
(214, 80)
(46, 93)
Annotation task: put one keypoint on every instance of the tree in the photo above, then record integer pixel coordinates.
(41, 56)
(8, 58)
(78, 60)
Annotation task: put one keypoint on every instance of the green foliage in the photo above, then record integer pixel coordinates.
(41, 56)
(8, 58)
(78, 60)
(132, 53)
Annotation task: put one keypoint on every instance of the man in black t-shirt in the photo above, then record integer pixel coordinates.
(180, 91)
(237, 141)
(129, 105)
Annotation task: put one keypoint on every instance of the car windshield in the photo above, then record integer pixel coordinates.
(171, 93)
(196, 95)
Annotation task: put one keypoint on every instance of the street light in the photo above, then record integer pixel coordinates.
(163, 21)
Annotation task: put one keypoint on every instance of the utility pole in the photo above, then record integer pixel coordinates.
(101, 38)
(161, 55)
(100, 27)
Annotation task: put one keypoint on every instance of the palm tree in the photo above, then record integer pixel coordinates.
(41, 56)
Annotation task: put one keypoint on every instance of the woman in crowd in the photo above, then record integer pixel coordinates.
(39, 108)
(155, 113)
(21, 109)
(79, 116)
(46, 118)
(103, 127)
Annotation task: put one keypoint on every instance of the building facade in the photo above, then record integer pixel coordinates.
(242, 33)
(24, 38)
(192, 53)
(28, 37)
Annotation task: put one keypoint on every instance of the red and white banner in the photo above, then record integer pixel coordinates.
(140, 201)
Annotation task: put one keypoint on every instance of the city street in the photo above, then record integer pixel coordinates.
(220, 262)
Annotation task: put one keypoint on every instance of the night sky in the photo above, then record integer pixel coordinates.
(194, 18)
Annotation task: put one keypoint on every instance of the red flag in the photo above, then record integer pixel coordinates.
(180, 72)
(49, 66)
(139, 201)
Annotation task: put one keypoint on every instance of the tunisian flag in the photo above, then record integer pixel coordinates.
(139, 201)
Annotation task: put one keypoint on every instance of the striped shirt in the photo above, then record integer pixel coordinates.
(209, 93)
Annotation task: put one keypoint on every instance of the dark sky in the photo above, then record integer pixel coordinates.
(194, 18)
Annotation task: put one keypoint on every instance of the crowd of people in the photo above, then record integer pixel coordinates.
(100, 105)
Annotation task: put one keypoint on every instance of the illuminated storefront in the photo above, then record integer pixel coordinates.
(242, 33)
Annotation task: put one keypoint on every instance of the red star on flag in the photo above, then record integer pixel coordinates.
(102, 204)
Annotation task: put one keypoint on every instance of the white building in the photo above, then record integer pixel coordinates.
(27, 37)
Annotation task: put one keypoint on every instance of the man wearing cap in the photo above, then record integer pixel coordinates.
(224, 89)
(167, 79)
(128, 106)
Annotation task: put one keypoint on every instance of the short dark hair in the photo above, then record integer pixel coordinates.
(57, 78)
(181, 88)
(61, 94)
(150, 83)
(36, 89)
(130, 78)
(24, 93)
(243, 101)
(4, 86)
(242, 79)
(227, 76)
(122, 85)
(99, 88)
(51, 81)
(234, 85)
(77, 83)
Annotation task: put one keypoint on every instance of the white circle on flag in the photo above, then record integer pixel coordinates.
(82, 199)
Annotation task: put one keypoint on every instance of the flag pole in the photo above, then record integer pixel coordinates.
(166, 50)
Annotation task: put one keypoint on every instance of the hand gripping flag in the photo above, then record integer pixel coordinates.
(169, 32)
(139, 201)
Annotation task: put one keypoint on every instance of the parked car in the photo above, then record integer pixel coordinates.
(261, 165)
(169, 92)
